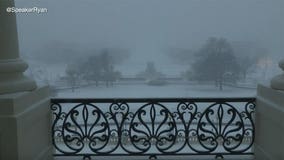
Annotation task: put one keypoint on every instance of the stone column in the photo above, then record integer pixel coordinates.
(25, 118)
(11, 66)
(269, 134)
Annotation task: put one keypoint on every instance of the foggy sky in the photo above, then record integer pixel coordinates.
(147, 27)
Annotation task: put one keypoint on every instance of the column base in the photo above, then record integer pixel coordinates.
(25, 126)
(12, 78)
(278, 82)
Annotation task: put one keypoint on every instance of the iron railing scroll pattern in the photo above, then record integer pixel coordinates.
(153, 127)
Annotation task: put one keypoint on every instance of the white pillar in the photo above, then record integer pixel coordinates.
(25, 117)
(269, 133)
(11, 66)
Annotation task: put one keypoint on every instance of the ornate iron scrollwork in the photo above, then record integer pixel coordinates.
(152, 127)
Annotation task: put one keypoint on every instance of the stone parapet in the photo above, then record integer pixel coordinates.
(25, 126)
(269, 124)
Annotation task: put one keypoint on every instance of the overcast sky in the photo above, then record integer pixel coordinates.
(147, 27)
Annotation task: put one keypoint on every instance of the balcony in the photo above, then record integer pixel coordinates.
(154, 128)
(34, 126)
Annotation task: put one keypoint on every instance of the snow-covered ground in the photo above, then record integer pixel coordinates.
(143, 91)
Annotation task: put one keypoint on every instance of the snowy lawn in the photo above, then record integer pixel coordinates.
(146, 91)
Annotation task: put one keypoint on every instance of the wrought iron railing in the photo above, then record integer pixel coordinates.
(153, 127)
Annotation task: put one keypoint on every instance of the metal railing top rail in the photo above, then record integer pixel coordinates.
(143, 100)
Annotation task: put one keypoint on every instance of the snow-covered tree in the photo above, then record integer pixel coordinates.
(214, 61)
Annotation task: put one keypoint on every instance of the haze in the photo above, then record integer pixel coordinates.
(149, 27)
